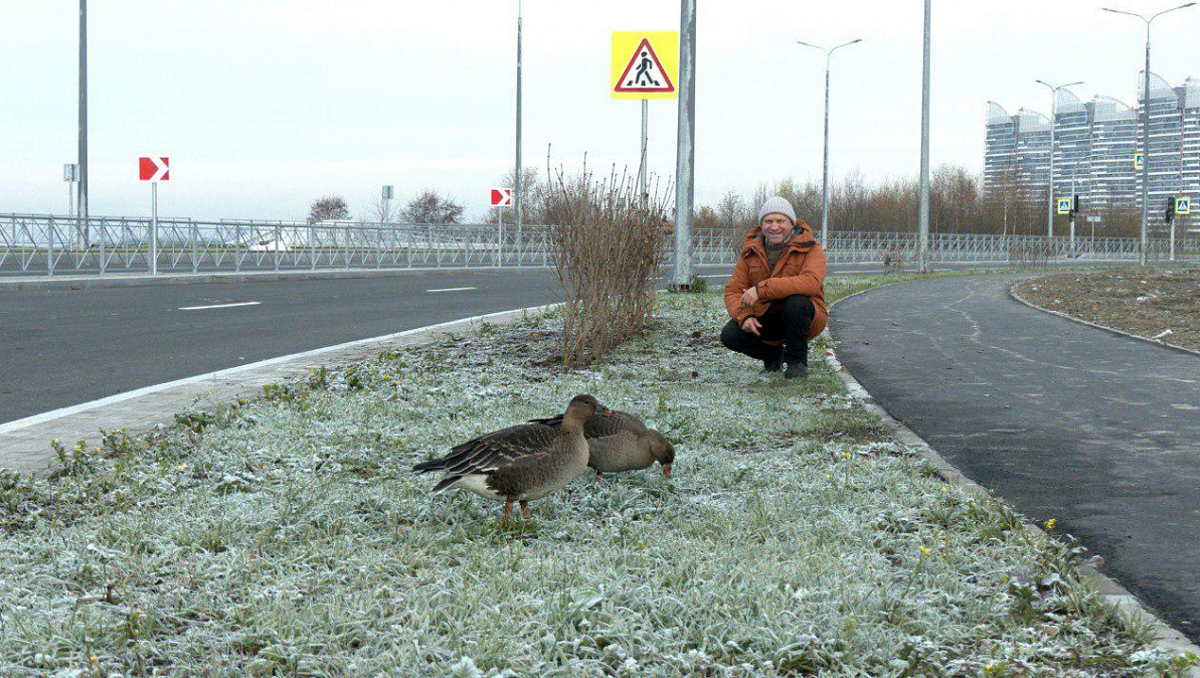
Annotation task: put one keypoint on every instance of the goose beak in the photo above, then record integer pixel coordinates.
(667, 470)
(605, 410)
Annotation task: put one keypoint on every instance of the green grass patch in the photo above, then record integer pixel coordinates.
(286, 537)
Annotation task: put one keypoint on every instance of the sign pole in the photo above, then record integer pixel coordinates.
(1072, 235)
(1172, 225)
(499, 236)
(643, 198)
(154, 228)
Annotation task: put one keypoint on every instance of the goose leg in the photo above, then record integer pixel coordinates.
(507, 512)
(525, 509)
(599, 476)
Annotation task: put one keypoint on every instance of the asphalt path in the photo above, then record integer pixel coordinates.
(63, 347)
(1065, 421)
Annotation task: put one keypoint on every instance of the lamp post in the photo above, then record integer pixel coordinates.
(520, 188)
(685, 150)
(1053, 108)
(923, 185)
(825, 159)
(1146, 120)
(82, 204)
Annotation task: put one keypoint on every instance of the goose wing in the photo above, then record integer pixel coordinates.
(602, 424)
(490, 452)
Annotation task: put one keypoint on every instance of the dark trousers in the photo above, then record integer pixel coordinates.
(788, 320)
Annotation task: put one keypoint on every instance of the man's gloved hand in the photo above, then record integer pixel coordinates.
(752, 325)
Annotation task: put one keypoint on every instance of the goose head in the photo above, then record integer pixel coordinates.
(583, 407)
(662, 450)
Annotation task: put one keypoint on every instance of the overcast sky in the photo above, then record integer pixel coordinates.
(265, 104)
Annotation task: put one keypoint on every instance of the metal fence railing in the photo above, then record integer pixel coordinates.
(53, 245)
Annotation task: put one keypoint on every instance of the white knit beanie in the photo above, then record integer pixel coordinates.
(777, 205)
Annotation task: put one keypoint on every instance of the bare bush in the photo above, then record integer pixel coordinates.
(429, 207)
(608, 245)
(328, 208)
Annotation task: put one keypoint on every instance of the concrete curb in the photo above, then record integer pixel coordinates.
(25, 443)
(1012, 292)
(1166, 637)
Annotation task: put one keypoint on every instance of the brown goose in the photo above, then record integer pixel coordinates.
(520, 463)
(620, 441)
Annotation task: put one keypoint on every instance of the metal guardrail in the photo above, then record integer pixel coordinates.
(53, 245)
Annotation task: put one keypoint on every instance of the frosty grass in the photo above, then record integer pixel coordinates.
(288, 536)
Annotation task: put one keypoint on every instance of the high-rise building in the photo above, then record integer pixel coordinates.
(1094, 148)
(1112, 180)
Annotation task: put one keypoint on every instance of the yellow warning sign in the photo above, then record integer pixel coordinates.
(645, 65)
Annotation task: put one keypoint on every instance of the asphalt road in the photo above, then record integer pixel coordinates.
(1065, 421)
(65, 347)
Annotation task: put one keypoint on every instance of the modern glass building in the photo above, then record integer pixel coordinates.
(1112, 180)
(1094, 148)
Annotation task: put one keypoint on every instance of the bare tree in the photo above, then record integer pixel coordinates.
(533, 200)
(430, 208)
(328, 208)
(381, 211)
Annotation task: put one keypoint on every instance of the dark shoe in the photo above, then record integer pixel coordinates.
(772, 365)
(795, 371)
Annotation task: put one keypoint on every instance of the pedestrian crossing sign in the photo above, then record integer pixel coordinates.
(645, 64)
(1064, 205)
(1183, 205)
(1139, 161)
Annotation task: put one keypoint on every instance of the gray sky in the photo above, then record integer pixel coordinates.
(265, 104)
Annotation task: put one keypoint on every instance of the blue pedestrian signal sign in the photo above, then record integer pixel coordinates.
(1064, 205)
(1139, 161)
(1183, 205)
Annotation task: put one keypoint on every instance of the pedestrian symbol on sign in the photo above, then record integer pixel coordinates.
(643, 70)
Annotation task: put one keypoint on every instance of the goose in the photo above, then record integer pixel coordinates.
(620, 441)
(520, 463)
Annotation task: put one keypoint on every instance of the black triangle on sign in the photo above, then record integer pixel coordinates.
(626, 83)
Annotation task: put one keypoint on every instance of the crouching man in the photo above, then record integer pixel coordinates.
(776, 295)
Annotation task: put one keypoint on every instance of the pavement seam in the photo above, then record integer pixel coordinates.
(1166, 637)
(1012, 292)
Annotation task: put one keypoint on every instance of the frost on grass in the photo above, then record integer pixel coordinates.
(288, 537)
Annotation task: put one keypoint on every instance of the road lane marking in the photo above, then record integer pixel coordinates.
(204, 308)
(449, 325)
(453, 289)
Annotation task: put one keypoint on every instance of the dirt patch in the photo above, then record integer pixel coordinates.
(1158, 304)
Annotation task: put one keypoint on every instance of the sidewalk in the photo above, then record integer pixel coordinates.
(1065, 421)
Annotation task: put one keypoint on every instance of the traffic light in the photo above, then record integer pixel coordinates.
(1076, 206)
(1170, 209)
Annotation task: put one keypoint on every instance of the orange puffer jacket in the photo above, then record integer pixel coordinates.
(801, 270)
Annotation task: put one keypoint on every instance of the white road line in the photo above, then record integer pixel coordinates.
(203, 308)
(51, 415)
(453, 289)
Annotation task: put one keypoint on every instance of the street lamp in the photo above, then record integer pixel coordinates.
(1146, 120)
(923, 264)
(520, 187)
(1050, 200)
(825, 170)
